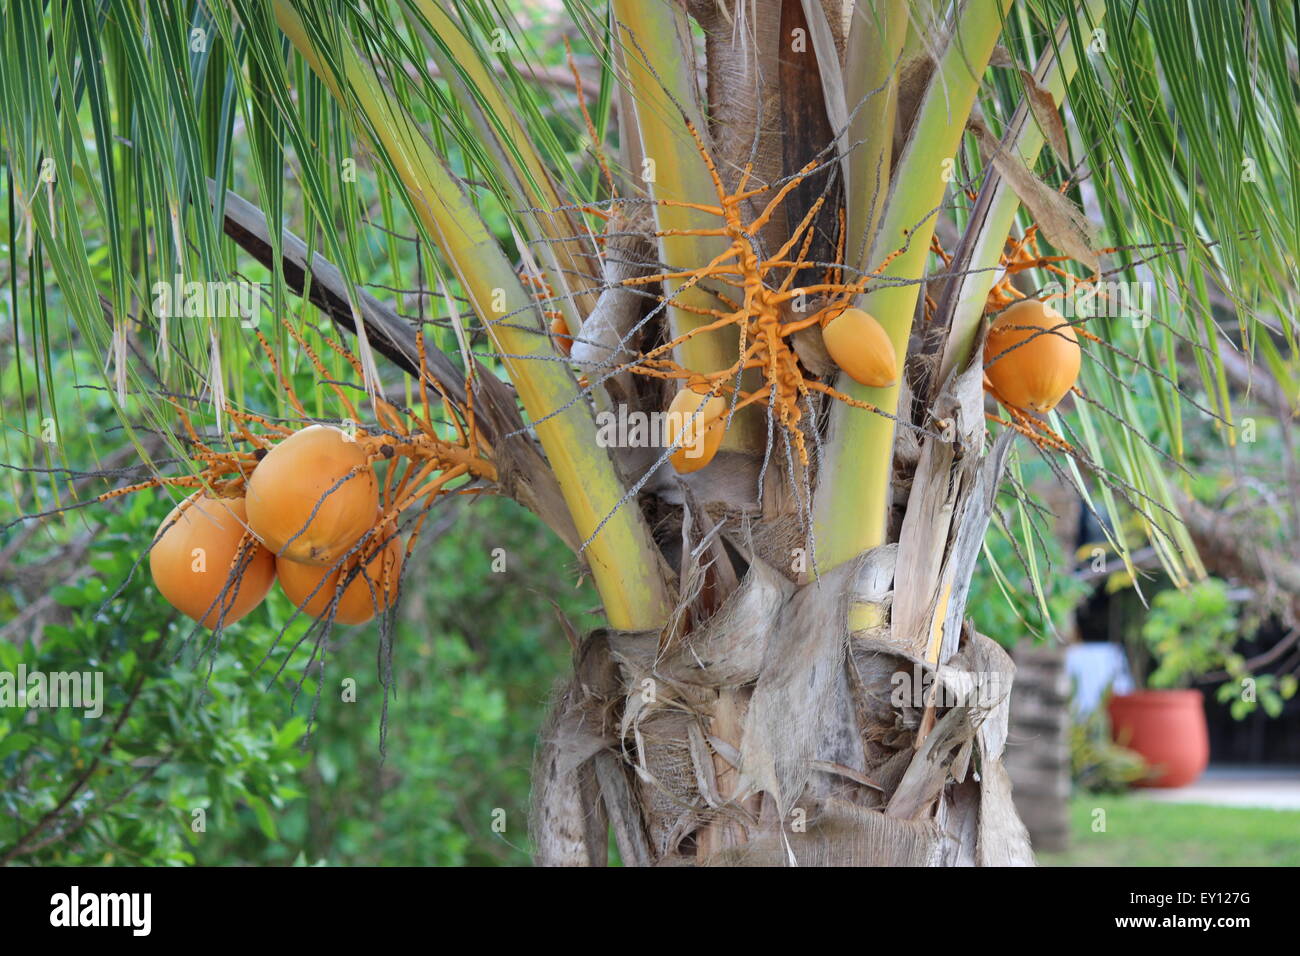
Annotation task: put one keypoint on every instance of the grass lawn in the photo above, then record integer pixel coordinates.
(1137, 832)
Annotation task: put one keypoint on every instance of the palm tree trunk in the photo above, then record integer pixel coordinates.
(840, 760)
(773, 733)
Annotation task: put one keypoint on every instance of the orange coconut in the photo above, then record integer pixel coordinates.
(361, 599)
(560, 332)
(861, 347)
(1034, 375)
(193, 558)
(701, 435)
(302, 501)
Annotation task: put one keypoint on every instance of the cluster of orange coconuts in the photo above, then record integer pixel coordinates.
(1031, 354)
(856, 342)
(1031, 358)
(306, 509)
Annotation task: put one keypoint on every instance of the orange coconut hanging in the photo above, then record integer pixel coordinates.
(370, 592)
(1031, 356)
(203, 542)
(560, 333)
(860, 346)
(313, 496)
(700, 434)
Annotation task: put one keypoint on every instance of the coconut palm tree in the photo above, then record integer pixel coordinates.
(787, 673)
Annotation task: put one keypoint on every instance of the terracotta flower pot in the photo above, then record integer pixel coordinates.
(1167, 727)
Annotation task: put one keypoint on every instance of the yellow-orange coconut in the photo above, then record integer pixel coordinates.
(193, 558)
(861, 347)
(701, 435)
(361, 599)
(1034, 375)
(291, 506)
(560, 332)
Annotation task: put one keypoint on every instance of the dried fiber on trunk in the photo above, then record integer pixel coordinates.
(842, 834)
(854, 750)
